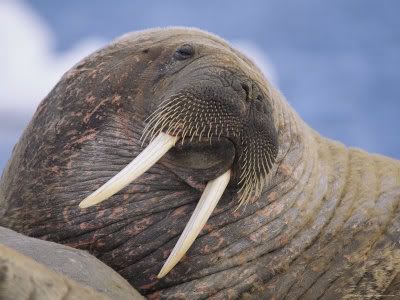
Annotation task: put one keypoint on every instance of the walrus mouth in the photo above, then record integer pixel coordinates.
(147, 158)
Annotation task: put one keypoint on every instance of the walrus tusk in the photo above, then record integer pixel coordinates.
(148, 157)
(209, 199)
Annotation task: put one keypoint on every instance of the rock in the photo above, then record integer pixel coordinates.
(36, 269)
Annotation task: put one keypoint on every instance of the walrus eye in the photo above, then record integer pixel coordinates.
(184, 52)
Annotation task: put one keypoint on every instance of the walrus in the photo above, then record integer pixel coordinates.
(187, 117)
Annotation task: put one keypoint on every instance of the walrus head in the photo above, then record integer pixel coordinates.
(204, 98)
(212, 96)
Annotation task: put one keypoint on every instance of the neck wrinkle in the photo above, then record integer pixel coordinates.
(307, 185)
(301, 181)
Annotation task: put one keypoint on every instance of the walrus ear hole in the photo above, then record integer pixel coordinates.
(184, 52)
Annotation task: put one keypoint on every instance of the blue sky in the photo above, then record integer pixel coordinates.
(337, 62)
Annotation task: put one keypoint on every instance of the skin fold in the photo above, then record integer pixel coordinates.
(325, 223)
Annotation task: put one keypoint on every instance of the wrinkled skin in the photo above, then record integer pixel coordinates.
(325, 225)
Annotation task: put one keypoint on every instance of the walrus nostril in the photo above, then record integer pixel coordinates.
(247, 88)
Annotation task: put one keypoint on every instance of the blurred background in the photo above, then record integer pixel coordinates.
(337, 62)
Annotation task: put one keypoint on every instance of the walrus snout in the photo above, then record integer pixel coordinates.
(222, 102)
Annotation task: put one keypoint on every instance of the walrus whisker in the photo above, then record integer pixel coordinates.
(161, 113)
(184, 114)
(147, 158)
(209, 199)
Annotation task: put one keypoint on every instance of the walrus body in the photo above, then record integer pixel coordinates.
(325, 222)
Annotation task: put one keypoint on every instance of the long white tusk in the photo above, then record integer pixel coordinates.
(209, 199)
(148, 157)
